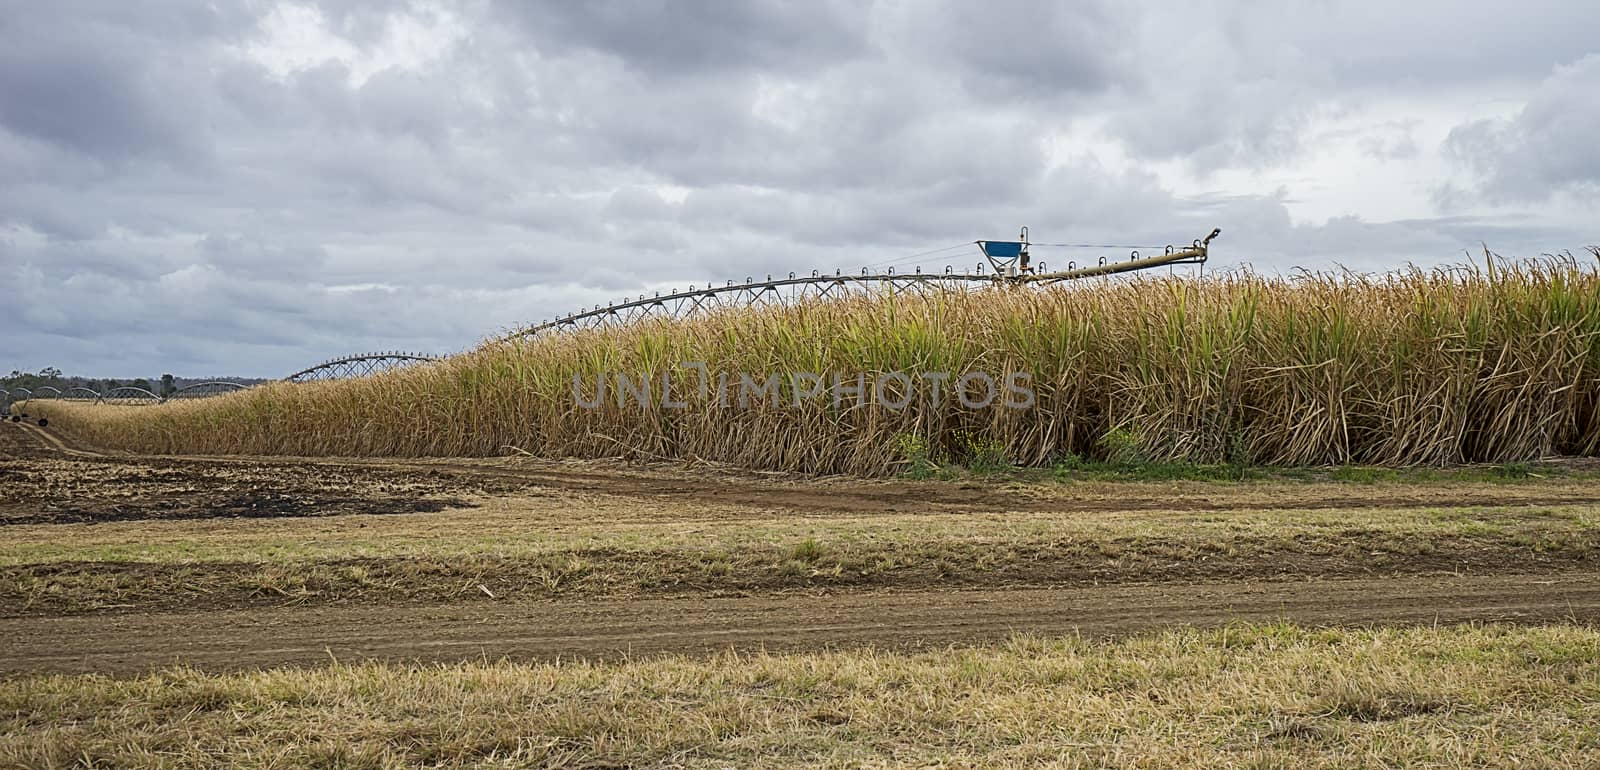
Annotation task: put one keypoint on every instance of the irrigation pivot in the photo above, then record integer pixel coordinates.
(1005, 263)
(359, 365)
(206, 389)
(129, 395)
(1012, 263)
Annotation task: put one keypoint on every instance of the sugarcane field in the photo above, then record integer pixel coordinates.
(629, 385)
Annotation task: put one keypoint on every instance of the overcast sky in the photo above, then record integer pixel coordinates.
(249, 187)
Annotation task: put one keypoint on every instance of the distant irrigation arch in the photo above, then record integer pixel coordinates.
(129, 395)
(206, 389)
(124, 394)
(358, 365)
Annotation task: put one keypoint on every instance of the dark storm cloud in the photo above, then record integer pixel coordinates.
(221, 189)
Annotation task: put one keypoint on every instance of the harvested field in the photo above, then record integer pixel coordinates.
(94, 533)
(94, 491)
(288, 611)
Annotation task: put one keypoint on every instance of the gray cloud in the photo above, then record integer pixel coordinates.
(176, 199)
(1015, 50)
(1548, 147)
(657, 37)
(100, 81)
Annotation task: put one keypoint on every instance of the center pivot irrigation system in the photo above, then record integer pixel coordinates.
(359, 365)
(1006, 263)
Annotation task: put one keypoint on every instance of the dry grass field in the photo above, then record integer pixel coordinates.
(87, 531)
(1245, 695)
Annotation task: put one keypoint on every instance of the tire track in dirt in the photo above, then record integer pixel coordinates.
(135, 643)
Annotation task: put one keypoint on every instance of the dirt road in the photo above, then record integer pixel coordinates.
(129, 644)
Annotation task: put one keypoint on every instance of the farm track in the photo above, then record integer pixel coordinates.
(44, 482)
(234, 640)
